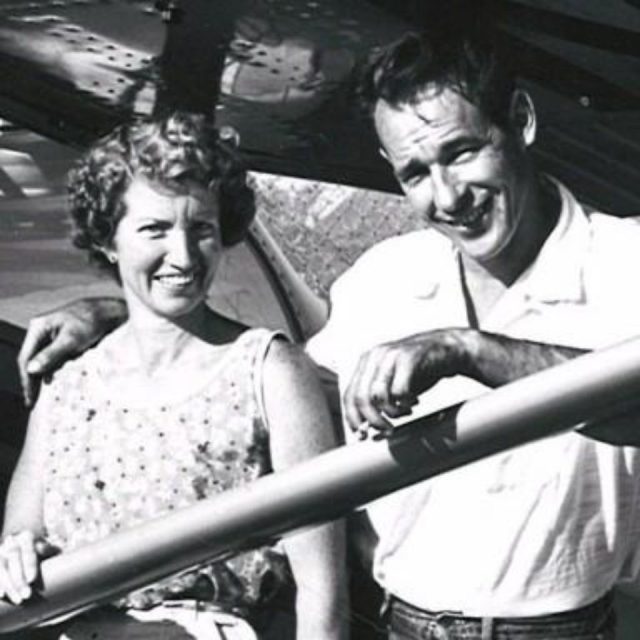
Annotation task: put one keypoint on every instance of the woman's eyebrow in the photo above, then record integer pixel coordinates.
(146, 219)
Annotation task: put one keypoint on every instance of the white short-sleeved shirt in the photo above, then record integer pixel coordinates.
(546, 527)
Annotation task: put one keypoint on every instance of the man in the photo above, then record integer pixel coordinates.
(512, 276)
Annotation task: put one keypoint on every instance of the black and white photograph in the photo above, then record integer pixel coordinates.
(319, 319)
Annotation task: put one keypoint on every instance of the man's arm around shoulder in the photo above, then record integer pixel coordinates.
(62, 334)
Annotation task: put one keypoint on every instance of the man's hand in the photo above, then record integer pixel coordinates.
(389, 378)
(63, 334)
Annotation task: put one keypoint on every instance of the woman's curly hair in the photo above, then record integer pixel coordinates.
(164, 150)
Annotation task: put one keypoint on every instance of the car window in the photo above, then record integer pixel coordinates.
(323, 228)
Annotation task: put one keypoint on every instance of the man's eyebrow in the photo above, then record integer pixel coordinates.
(461, 142)
(412, 168)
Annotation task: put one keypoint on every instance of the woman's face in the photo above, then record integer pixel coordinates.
(167, 246)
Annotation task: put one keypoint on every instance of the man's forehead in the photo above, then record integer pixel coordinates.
(436, 116)
(435, 107)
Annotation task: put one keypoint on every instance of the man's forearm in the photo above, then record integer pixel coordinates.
(494, 359)
(64, 333)
(112, 311)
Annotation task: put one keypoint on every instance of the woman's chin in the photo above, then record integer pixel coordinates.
(177, 308)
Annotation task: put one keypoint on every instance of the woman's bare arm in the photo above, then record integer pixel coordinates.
(23, 516)
(300, 427)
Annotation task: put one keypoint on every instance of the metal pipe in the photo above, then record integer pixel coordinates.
(594, 386)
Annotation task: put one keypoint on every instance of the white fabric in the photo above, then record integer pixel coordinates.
(170, 621)
(547, 527)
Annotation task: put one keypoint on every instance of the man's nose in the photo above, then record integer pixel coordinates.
(448, 193)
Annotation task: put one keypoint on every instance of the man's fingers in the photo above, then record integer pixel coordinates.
(380, 389)
(48, 359)
(353, 417)
(38, 334)
(365, 396)
(360, 414)
(30, 386)
(402, 386)
(350, 409)
(381, 380)
(388, 387)
(52, 356)
(401, 407)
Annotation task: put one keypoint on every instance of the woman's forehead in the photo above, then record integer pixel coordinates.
(144, 197)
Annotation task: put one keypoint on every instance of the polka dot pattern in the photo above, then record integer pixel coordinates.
(110, 467)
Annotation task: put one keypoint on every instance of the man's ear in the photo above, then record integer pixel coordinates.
(522, 115)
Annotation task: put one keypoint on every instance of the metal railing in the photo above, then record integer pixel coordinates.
(594, 387)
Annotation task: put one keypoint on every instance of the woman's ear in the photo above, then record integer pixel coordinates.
(109, 254)
(522, 115)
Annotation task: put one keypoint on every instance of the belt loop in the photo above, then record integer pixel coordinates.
(487, 628)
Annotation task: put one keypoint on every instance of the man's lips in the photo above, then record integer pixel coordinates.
(471, 219)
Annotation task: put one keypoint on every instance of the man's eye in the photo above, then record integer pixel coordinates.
(464, 155)
(413, 180)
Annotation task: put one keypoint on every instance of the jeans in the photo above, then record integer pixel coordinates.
(593, 622)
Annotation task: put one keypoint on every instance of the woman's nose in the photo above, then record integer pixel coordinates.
(181, 249)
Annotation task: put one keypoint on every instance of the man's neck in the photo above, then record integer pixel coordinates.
(486, 283)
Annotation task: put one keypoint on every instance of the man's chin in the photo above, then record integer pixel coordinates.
(482, 251)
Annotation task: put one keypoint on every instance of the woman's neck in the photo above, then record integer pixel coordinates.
(158, 343)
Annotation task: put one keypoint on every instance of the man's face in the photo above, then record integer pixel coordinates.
(470, 179)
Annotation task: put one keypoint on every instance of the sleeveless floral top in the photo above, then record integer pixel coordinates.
(111, 465)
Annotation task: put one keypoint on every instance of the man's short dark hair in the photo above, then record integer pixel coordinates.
(469, 65)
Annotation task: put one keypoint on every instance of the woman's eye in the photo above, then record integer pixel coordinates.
(152, 229)
(204, 229)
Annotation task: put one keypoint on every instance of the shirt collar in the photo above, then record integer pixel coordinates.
(556, 275)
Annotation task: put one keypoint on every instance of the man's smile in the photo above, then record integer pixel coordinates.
(474, 219)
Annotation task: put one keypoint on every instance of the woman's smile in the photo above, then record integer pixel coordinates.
(176, 281)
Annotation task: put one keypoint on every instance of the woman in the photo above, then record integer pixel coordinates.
(177, 404)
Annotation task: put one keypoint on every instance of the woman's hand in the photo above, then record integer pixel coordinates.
(300, 427)
(18, 566)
